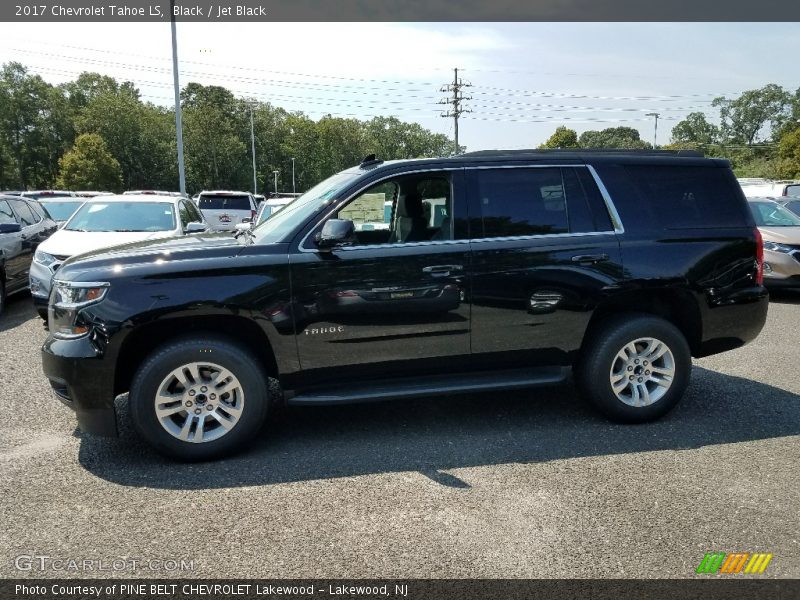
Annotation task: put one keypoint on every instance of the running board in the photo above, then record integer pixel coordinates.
(432, 385)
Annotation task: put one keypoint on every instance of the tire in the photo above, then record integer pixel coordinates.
(185, 371)
(2, 293)
(609, 360)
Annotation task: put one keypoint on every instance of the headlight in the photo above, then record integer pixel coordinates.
(43, 258)
(777, 247)
(67, 300)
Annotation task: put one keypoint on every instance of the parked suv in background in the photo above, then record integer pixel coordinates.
(498, 271)
(225, 210)
(24, 224)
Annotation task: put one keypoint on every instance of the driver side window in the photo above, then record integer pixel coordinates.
(407, 209)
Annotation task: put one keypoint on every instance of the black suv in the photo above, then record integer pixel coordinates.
(393, 280)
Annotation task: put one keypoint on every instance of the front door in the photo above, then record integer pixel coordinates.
(393, 303)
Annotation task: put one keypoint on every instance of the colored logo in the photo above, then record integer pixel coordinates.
(736, 562)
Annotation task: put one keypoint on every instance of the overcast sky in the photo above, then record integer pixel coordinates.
(527, 78)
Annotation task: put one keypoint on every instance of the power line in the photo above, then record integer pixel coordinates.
(456, 101)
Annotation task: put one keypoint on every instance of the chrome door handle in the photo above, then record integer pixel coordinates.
(590, 259)
(441, 270)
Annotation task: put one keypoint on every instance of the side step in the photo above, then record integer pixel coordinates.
(431, 385)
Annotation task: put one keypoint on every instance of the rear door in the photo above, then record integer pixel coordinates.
(223, 210)
(544, 252)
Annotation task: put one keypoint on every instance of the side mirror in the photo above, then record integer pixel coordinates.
(10, 227)
(335, 232)
(247, 220)
(195, 227)
(240, 227)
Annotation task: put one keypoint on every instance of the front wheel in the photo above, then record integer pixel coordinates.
(199, 399)
(635, 368)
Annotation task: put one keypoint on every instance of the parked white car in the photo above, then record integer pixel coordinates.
(758, 188)
(110, 221)
(224, 210)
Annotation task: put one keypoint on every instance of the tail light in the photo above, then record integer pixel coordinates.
(759, 258)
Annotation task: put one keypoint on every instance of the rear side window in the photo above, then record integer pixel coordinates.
(518, 202)
(6, 215)
(792, 190)
(537, 201)
(26, 216)
(689, 197)
(223, 202)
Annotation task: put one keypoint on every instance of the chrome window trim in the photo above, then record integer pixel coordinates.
(612, 210)
(516, 238)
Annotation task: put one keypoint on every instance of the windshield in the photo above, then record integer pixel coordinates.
(61, 211)
(123, 216)
(769, 214)
(294, 214)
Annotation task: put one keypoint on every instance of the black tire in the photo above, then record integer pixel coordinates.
(212, 349)
(2, 293)
(594, 368)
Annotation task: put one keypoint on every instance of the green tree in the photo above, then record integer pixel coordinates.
(216, 151)
(89, 166)
(563, 137)
(613, 137)
(695, 129)
(789, 155)
(33, 126)
(745, 119)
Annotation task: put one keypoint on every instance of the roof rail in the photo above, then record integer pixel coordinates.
(692, 153)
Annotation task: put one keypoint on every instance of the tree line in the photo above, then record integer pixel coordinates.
(98, 133)
(759, 132)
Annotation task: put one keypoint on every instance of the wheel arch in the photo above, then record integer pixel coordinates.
(677, 306)
(142, 341)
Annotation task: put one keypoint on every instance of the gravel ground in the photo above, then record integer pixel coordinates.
(508, 485)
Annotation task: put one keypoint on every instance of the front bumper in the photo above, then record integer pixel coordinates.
(83, 380)
(781, 269)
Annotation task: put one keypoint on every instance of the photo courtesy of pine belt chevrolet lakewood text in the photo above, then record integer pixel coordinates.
(488, 271)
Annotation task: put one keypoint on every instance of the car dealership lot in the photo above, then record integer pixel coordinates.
(530, 484)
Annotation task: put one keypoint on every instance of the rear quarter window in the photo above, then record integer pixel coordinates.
(223, 202)
(688, 197)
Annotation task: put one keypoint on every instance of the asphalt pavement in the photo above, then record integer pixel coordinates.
(528, 484)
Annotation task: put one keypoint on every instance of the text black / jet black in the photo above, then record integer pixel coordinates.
(487, 271)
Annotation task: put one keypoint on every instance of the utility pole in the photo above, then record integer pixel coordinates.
(253, 143)
(655, 129)
(178, 120)
(276, 181)
(455, 102)
(294, 191)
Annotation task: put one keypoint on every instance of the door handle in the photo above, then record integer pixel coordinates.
(441, 270)
(590, 259)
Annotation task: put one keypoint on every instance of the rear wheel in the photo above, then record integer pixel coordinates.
(199, 399)
(2, 293)
(635, 368)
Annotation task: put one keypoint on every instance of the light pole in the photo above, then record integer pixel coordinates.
(294, 191)
(178, 120)
(276, 181)
(655, 128)
(253, 144)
